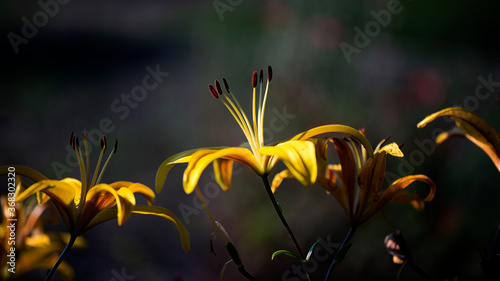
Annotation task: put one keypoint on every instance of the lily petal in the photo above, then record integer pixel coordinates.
(475, 128)
(392, 149)
(65, 194)
(200, 160)
(298, 156)
(371, 178)
(335, 128)
(331, 187)
(396, 187)
(103, 196)
(279, 177)
(223, 171)
(29, 173)
(112, 213)
(136, 188)
(348, 169)
(182, 157)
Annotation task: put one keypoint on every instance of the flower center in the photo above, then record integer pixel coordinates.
(254, 132)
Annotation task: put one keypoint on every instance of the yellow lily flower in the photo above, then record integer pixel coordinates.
(298, 153)
(471, 126)
(87, 203)
(103, 201)
(33, 247)
(357, 181)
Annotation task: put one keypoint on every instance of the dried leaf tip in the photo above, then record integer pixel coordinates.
(213, 91)
(218, 88)
(254, 79)
(226, 85)
(269, 73)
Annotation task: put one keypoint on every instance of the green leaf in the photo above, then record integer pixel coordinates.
(311, 250)
(342, 253)
(288, 253)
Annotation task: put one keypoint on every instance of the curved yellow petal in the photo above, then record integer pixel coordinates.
(392, 149)
(279, 177)
(104, 196)
(202, 158)
(65, 194)
(112, 213)
(396, 187)
(370, 179)
(182, 157)
(475, 129)
(29, 173)
(348, 170)
(298, 156)
(336, 128)
(136, 187)
(223, 171)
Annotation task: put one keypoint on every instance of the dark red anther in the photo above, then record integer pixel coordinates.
(72, 139)
(401, 145)
(217, 86)
(77, 143)
(269, 73)
(103, 142)
(261, 76)
(226, 85)
(213, 91)
(254, 79)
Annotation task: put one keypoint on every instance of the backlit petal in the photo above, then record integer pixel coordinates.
(112, 213)
(392, 149)
(329, 129)
(298, 156)
(279, 177)
(396, 187)
(62, 192)
(475, 128)
(182, 157)
(348, 170)
(202, 158)
(103, 196)
(223, 171)
(136, 188)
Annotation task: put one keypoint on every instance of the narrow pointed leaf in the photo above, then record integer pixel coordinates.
(288, 253)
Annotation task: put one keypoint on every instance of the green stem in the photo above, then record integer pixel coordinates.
(346, 240)
(280, 215)
(283, 221)
(65, 252)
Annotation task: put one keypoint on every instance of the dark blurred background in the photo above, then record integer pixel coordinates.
(70, 67)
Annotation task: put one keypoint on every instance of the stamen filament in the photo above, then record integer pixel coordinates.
(106, 163)
(87, 158)
(103, 149)
(261, 114)
(245, 125)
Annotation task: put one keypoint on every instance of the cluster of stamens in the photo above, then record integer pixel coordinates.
(85, 165)
(254, 132)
